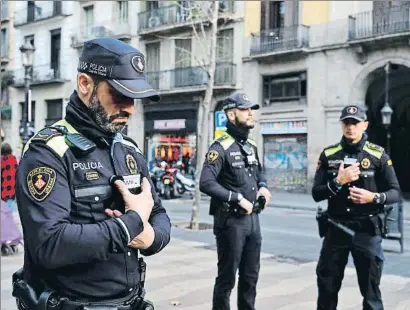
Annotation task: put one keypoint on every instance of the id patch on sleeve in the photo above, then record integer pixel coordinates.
(389, 162)
(212, 156)
(40, 182)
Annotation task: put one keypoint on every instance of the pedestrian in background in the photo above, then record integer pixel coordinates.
(232, 175)
(8, 175)
(357, 178)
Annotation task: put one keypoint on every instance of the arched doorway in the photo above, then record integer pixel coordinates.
(399, 100)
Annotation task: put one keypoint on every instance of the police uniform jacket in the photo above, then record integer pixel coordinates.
(376, 175)
(71, 245)
(227, 172)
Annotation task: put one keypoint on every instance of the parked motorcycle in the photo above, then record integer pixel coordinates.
(184, 184)
(168, 183)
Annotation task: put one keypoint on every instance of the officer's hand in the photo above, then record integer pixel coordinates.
(144, 240)
(349, 174)
(360, 195)
(246, 205)
(263, 191)
(141, 203)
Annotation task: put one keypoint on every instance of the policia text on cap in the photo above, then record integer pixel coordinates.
(357, 178)
(232, 175)
(86, 202)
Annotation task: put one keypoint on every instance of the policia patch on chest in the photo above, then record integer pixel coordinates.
(40, 182)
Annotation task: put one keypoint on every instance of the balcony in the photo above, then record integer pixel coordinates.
(42, 75)
(174, 18)
(119, 29)
(192, 79)
(36, 14)
(288, 40)
(5, 11)
(4, 52)
(382, 27)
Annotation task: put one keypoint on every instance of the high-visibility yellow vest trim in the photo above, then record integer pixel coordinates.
(332, 150)
(373, 149)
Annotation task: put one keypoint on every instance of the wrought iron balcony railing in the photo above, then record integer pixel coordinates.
(42, 75)
(280, 39)
(225, 74)
(119, 28)
(28, 16)
(377, 23)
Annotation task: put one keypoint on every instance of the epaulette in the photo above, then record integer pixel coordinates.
(225, 141)
(45, 134)
(251, 141)
(373, 149)
(332, 149)
(130, 142)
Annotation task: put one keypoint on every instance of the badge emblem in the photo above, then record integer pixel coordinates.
(245, 97)
(365, 163)
(138, 63)
(131, 164)
(352, 110)
(212, 156)
(40, 182)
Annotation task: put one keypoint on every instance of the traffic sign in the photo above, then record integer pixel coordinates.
(220, 120)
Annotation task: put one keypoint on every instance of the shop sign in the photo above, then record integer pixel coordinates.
(169, 124)
(284, 127)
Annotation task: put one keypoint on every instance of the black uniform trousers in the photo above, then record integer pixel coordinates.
(368, 259)
(238, 241)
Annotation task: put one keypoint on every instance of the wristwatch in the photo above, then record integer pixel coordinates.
(377, 198)
(240, 197)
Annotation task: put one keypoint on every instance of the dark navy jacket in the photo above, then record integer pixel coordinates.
(225, 173)
(70, 243)
(376, 175)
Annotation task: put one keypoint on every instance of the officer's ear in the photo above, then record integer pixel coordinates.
(230, 114)
(85, 85)
(365, 125)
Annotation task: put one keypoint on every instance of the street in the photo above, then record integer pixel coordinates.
(182, 276)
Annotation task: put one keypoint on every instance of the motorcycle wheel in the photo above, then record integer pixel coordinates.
(167, 192)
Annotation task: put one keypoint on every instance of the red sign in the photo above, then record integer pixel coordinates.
(171, 139)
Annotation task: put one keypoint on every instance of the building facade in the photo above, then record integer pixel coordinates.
(7, 63)
(305, 73)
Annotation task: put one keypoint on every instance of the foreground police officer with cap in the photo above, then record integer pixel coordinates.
(357, 178)
(232, 175)
(87, 207)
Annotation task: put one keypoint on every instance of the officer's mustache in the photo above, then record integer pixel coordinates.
(122, 114)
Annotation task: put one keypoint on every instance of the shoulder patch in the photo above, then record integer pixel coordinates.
(212, 156)
(333, 149)
(130, 142)
(373, 149)
(40, 182)
(44, 135)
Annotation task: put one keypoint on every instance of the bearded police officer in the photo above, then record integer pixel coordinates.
(87, 206)
(357, 178)
(232, 175)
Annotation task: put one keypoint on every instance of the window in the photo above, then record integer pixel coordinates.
(33, 111)
(55, 52)
(4, 43)
(31, 8)
(183, 48)
(224, 46)
(122, 11)
(272, 14)
(57, 7)
(54, 111)
(152, 5)
(89, 20)
(283, 88)
(153, 58)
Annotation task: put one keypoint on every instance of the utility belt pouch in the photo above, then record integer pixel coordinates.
(322, 222)
(376, 226)
(381, 218)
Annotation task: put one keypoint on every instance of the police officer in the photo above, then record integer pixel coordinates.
(87, 205)
(232, 175)
(357, 178)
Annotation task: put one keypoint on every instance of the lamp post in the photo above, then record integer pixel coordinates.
(387, 111)
(27, 54)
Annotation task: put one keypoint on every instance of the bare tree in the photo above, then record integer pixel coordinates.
(203, 17)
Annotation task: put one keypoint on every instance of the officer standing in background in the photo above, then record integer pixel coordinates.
(87, 206)
(232, 175)
(357, 178)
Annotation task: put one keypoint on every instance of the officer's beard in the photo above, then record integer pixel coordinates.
(101, 117)
(243, 125)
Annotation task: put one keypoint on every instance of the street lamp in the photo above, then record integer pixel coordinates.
(27, 59)
(387, 111)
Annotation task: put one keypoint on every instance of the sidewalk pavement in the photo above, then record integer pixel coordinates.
(183, 274)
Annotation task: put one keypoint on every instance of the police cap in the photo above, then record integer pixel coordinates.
(354, 112)
(239, 101)
(122, 66)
